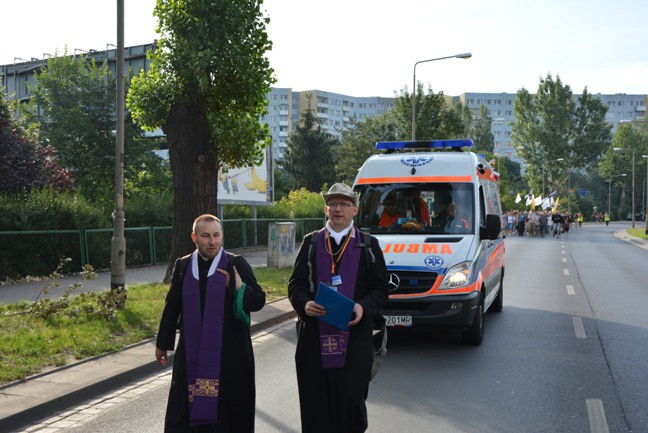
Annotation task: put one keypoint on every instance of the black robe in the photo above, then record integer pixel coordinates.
(236, 401)
(333, 400)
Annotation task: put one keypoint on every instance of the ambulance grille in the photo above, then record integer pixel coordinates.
(414, 282)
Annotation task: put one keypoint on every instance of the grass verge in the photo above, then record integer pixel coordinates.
(639, 232)
(30, 345)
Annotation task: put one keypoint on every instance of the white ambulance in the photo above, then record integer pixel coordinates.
(436, 212)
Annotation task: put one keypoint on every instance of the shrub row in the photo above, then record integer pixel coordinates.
(82, 231)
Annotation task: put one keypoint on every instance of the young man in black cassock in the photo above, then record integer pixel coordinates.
(334, 366)
(211, 295)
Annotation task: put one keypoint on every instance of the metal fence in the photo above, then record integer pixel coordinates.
(24, 253)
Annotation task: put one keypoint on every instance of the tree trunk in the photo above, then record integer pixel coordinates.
(195, 173)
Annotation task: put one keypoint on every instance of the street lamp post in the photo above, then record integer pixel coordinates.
(633, 181)
(456, 56)
(610, 191)
(646, 199)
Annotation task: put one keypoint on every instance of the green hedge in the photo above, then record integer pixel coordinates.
(39, 228)
(48, 210)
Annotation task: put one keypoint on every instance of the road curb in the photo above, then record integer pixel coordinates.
(29, 415)
(107, 384)
(625, 236)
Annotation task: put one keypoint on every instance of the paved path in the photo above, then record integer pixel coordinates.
(29, 290)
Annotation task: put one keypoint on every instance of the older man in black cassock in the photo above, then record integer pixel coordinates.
(334, 365)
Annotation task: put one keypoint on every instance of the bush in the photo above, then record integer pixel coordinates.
(147, 209)
(46, 209)
(300, 203)
(69, 214)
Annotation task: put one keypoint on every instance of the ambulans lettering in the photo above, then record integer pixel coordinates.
(416, 248)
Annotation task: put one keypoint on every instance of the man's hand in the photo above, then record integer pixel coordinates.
(161, 356)
(359, 312)
(314, 309)
(227, 275)
(237, 277)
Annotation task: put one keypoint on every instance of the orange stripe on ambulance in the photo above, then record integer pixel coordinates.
(417, 248)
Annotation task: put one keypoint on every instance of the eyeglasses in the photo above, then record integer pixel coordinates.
(339, 204)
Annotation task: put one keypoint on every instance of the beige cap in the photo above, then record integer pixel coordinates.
(340, 190)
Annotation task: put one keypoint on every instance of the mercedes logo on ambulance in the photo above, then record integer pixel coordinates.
(394, 282)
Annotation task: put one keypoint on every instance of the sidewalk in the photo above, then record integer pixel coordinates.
(29, 290)
(27, 401)
(638, 242)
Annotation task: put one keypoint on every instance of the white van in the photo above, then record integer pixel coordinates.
(436, 212)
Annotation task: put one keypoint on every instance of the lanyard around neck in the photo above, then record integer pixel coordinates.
(335, 260)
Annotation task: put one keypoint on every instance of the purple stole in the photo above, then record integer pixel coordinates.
(203, 336)
(334, 342)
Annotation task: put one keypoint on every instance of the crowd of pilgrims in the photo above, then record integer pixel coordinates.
(539, 223)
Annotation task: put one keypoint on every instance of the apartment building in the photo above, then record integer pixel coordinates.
(333, 110)
(16, 77)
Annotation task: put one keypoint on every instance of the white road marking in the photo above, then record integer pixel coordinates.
(566, 272)
(570, 290)
(579, 329)
(564, 260)
(596, 415)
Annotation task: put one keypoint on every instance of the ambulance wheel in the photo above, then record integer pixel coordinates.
(475, 333)
(498, 302)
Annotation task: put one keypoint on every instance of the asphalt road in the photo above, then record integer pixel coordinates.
(567, 354)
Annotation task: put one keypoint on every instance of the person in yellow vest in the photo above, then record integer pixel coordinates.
(607, 219)
(580, 219)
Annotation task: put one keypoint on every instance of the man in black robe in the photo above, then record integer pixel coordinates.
(225, 400)
(334, 366)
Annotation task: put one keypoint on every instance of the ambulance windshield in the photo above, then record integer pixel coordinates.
(440, 208)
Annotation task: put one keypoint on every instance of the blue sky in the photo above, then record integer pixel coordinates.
(369, 47)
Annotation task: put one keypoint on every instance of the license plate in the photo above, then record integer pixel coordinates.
(399, 320)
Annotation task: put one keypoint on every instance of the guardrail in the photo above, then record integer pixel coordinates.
(36, 253)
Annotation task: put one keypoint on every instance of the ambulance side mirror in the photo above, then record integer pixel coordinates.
(493, 227)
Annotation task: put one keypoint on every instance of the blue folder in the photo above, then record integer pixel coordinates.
(339, 308)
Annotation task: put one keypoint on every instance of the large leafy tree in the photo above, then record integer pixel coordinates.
(309, 158)
(480, 132)
(435, 118)
(206, 89)
(630, 138)
(24, 163)
(556, 134)
(511, 183)
(359, 142)
(73, 108)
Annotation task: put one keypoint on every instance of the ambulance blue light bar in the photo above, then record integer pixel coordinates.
(424, 144)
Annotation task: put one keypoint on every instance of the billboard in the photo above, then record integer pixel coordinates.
(247, 185)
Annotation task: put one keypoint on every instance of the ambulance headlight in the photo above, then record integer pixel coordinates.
(457, 276)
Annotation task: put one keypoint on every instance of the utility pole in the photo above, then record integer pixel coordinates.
(118, 245)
